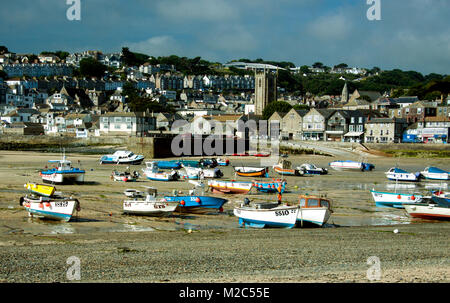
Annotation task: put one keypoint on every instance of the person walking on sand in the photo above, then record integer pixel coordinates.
(279, 198)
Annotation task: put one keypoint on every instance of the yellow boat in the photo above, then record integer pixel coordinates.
(41, 190)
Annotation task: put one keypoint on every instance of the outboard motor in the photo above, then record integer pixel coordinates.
(246, 201)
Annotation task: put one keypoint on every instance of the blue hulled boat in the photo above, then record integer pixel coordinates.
(174, 164)
(197, 204)
(270, 187)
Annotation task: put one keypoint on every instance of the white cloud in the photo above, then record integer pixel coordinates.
(156, 46)
(330, 28)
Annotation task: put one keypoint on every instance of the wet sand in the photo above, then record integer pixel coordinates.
(203, 248)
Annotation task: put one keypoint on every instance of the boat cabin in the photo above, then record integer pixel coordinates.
(313, 201)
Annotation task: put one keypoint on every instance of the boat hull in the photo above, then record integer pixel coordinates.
(286, 172)
(41, 190)
(152, 208)
(131, 161)
(230, 187)
(428, 212)
(197, 204)
(351, 166)
(313, 216)
(53, 210)
(282, 216)
(58, 177)
(168, 165)
(270, 187)
(394, 200)
(251, 172)
(434, 176)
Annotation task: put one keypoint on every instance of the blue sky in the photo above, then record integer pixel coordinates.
(412, 35)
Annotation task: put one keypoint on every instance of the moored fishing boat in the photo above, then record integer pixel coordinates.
(311, 169)
(62, 173)
(197, 204)
(152, 173)
(122, 157)
(395, 200)
(230, 187)
(125, 176)
(261, 215)
(435, 208)
(244, 171)
(147, 204)
(284, 168)
(313, 211)
(195, 173)
(351, 165)
(54, 207)
(223, 162)
(275, 186)
(398, 174)
(168, 164)
(434, 173)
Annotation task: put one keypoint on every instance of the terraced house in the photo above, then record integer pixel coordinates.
(315, 124)
(385, 130)
(127, 123)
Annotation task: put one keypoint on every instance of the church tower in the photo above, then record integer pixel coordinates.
(265, 90)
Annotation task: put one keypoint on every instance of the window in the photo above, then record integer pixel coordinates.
(360, 120)
(302, 202)
(105, 119)
(352, 120)
(117, 126)
(128, 119)
(117, 119)
(313, 203)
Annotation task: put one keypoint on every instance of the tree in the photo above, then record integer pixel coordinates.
(342, 65)
(318, 65)
(133, 59)
(442, 86)
(3, 75)
(89, 67)
(301, 106)
(276, 106)
(304, 69)
(3, 50)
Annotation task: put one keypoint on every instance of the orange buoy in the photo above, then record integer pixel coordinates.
(413, 198)
(197, 200)
(399, 197)
(183, 203)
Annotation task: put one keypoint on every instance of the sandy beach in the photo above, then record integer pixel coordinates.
(114, 247)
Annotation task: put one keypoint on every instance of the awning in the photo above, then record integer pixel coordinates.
(353, 134)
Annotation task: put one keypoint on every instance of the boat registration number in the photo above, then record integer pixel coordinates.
(61, 204)
(284, 212)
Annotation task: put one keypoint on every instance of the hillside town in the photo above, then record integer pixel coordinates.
(40, 95)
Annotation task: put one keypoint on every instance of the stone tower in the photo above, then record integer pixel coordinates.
(344, 96)
(265, 90)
